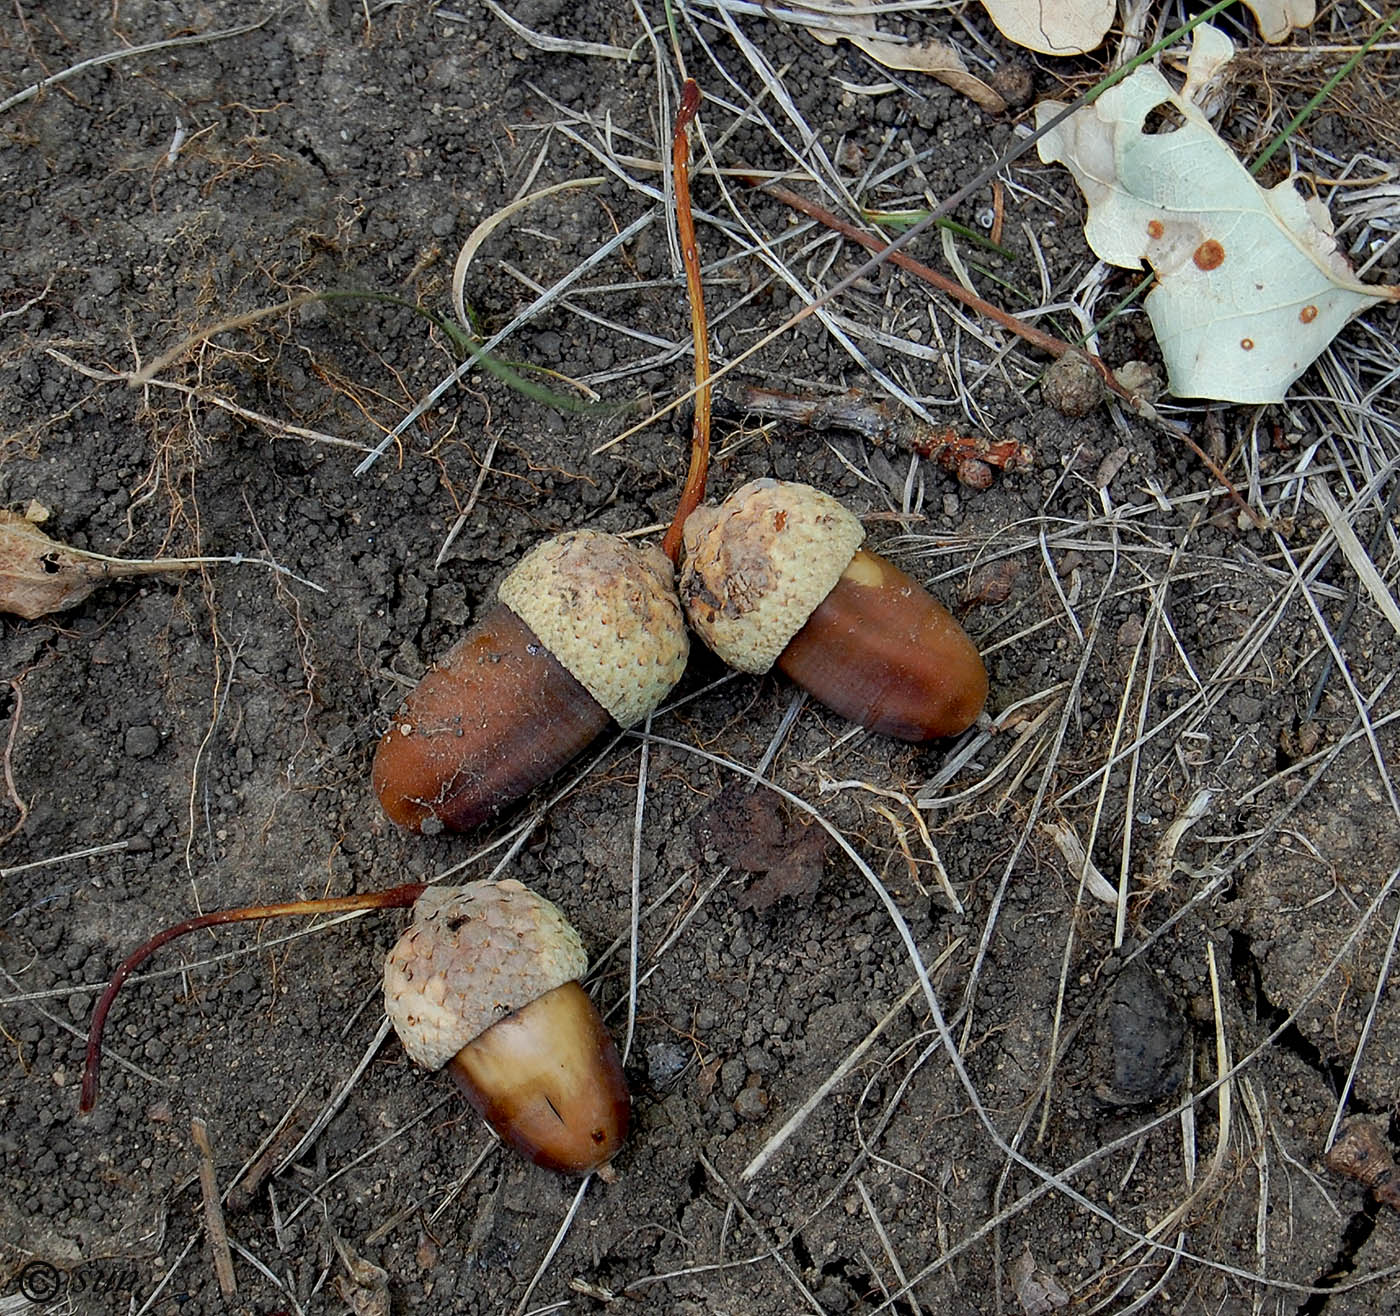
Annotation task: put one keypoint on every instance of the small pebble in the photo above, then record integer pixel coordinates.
(141, 742)
(1072, 386)
(751, 1104)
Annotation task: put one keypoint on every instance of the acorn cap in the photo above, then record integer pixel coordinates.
(474, 954)
(758, 565)
(608, 611)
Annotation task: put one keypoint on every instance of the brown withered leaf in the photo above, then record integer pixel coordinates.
(746, 832)
(39, 575)
(1037, 1290)
(935, 58)
(366, 1291)
(796, 874)
(742, 828)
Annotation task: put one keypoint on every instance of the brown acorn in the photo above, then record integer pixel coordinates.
(485, 982)
(775, 575)
(587, 630)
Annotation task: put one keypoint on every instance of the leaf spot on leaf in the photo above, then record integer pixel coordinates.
(1155, 228)
(1247, 344)
(1308, 314)
(1210, 255)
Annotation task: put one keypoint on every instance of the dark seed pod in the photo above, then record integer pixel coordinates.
(776, 575)
(1361, 1153)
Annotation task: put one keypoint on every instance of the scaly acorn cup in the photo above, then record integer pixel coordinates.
(776, 575)
(588, 629)
(486, 982)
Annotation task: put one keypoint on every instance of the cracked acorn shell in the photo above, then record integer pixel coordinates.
(485, 981)
(587, 629)
(775, 575)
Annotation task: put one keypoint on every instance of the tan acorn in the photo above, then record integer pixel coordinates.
(776, 575)
(587, 630)
(485, 982)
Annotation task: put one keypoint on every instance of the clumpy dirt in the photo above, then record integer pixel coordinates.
(189, 742)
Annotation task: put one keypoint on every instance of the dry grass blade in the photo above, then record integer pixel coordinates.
(1357, 557)
(547, 298)
(126, 52)
(487, 227)
(559, 45)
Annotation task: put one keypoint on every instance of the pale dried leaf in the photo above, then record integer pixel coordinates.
(1069, 845)
(1278, 18)
(1251, 287)
(1053, 27)
(38, 575)
(366, 1291)
(934, 58)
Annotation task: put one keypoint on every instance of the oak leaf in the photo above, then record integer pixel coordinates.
(1251, 286)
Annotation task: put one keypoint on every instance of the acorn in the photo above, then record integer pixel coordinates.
(485, 982)
(776, 575)
(587, 630)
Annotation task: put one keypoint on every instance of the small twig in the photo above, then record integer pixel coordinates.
(17, 685)
(213, 1210)
(694, 488)
(876, 420)
(240, 1194)
(470, 503)
(1056, 347)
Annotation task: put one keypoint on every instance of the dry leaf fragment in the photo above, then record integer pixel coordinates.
(747, 833)
(1081, 867)
(935, 58)
(1278, 18)
(38, 575)
(795, 873)
(1053, 27)
(1361, 1153)
(1251, 287)
(366, 1291)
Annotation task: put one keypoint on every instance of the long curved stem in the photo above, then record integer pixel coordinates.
(399, 897)
(694, 488)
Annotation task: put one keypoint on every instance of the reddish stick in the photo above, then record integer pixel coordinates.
(399, 897)
(694, 488)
